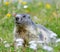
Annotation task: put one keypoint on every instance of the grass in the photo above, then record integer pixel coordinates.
(47, 16)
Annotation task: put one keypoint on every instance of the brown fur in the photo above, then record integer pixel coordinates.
(22, 32)
(25, 35)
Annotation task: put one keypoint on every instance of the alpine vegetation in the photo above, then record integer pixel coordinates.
(36, 26)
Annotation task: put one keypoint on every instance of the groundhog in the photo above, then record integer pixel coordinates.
(26, 31)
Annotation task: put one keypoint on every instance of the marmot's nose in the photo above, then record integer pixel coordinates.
(17, 18)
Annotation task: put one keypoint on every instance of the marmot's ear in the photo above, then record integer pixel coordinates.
(28, 16)
(14, 14)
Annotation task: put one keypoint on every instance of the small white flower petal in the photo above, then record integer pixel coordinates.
(35, 17)
(19, 40)
(7, 45)
(48, 48)
(25, 6)
(19, 44)
(5, 42)
(33, 46)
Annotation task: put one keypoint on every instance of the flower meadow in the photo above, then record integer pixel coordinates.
(47, 14)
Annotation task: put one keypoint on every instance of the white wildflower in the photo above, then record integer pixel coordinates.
(48, 48)
(19, 40)
(25, 6)
(58, 40)
(5, 42)
(33, 46)
(19, 44)
(7, 45)
(36, 18)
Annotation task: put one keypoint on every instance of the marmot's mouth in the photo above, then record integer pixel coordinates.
(17, 23)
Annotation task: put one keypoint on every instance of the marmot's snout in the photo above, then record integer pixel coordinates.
(19, 18)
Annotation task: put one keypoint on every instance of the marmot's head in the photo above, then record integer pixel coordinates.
(23, 20)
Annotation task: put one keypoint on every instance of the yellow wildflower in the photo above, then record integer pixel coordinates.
(48, 6)
(8, 15)
(6, 3)
(24, 3)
